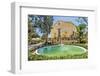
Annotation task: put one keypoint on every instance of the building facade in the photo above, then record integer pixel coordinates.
(63, 31)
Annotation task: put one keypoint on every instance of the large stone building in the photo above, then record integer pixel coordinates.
(63, 30)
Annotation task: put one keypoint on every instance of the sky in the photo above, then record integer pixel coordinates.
(73, 19)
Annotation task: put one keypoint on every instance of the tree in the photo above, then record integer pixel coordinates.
(82, 28)
(82, 31)
(31, 31)
(83, 20)
(43, 23)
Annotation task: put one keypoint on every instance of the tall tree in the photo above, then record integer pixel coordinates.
(43, 23)
(82, 27)
(83, 20)
(82, 31)
(31, 30)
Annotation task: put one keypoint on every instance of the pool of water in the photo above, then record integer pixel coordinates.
(60, 50)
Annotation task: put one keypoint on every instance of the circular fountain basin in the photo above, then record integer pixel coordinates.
(60, 50)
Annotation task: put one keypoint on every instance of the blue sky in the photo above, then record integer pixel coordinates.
(72, 19)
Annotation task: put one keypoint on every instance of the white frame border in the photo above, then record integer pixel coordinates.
(16, 30)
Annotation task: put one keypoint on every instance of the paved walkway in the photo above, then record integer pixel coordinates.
(35, 45)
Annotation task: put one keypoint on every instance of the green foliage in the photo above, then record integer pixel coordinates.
(40, 22)
(43, 23)
(82, 20)
(82, 33)
(82, 26)
(31, 31)
(43, 57)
